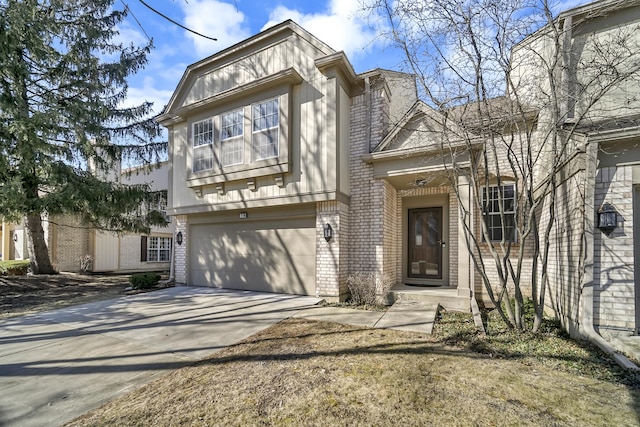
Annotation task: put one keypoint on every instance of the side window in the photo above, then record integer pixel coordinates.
(158, 249)
(203, 145)
(492, 210)
(232, 138)
(265, 126)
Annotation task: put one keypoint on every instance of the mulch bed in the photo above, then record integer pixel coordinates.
(21, 295)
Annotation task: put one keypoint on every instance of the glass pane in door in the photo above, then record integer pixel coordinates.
(425, 243)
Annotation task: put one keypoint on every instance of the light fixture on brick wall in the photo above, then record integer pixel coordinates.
(328, 232)
(607, 218)
(179, 238)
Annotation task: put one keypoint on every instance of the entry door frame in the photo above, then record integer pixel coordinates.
(417, 202)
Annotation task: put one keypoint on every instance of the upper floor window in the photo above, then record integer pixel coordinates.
(203, 145)
(231, 138)
(241, 142)
(266, 120)
(500, 202)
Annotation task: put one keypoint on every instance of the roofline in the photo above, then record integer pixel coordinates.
(596, 5)
(576, 11)
(150, 166)
(289, 24)
(246, 44)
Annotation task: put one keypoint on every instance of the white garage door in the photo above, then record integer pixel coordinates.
(271, 256)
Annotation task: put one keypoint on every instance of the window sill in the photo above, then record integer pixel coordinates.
(497, 244)
(256, 169)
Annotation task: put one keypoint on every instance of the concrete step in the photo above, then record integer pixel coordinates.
(447, 298)
(410, 315)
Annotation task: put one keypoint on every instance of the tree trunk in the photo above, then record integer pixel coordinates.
(38, 252)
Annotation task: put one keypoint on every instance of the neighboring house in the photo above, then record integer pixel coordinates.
(13, 244)
(289, 171)
(594, 275)
(69, 240)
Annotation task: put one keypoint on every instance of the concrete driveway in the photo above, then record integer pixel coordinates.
(57, 365)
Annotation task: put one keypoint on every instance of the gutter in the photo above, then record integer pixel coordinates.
(586, 327)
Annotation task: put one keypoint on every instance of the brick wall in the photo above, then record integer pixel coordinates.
(614, 305)
(130, 255)
(392, 233)
(366, 244)
(373, 230)
(68, 242)
(180, 267)
(564, 270)
(332, 257)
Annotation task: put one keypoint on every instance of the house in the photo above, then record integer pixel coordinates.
(280, 180)
(288, 171)
(69, 241)
(594, 276)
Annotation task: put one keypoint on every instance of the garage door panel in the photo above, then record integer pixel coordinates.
(259, 256)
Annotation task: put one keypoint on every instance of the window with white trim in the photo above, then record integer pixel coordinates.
(158, 249)
(203, 145)
(265, 126)
(232, 138)
(494, 211)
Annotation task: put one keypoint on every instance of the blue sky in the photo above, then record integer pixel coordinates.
(339, 23)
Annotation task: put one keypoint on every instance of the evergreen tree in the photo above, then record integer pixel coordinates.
(63, 81)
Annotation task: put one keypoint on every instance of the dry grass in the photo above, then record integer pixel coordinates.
(305, 373)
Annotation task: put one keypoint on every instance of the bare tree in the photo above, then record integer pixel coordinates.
(518, 87)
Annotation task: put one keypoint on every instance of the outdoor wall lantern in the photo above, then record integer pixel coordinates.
(607, 218)
(328, 232)
(179, 238)
(15, 237)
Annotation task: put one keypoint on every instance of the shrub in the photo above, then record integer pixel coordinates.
(86, 263)
(144, 280)
(365, 289)
(14, 268)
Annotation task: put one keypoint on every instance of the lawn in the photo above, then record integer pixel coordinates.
(305, 373)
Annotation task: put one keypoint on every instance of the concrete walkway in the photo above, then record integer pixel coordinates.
(57, 365)
(404, 315)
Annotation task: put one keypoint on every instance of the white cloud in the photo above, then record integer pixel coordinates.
(214, 19)
(127, 35)
(343, 25)
(148, 93)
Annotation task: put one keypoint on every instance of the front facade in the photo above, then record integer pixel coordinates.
(272, 179)
(289, 172)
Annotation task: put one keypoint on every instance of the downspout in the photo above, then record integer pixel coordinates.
(586, 327)
(172, 277)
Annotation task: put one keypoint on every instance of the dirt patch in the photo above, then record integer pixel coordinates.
(20, 295)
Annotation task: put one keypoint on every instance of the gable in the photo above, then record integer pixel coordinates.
(420, 128)
(286, 46)
(417, 132)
